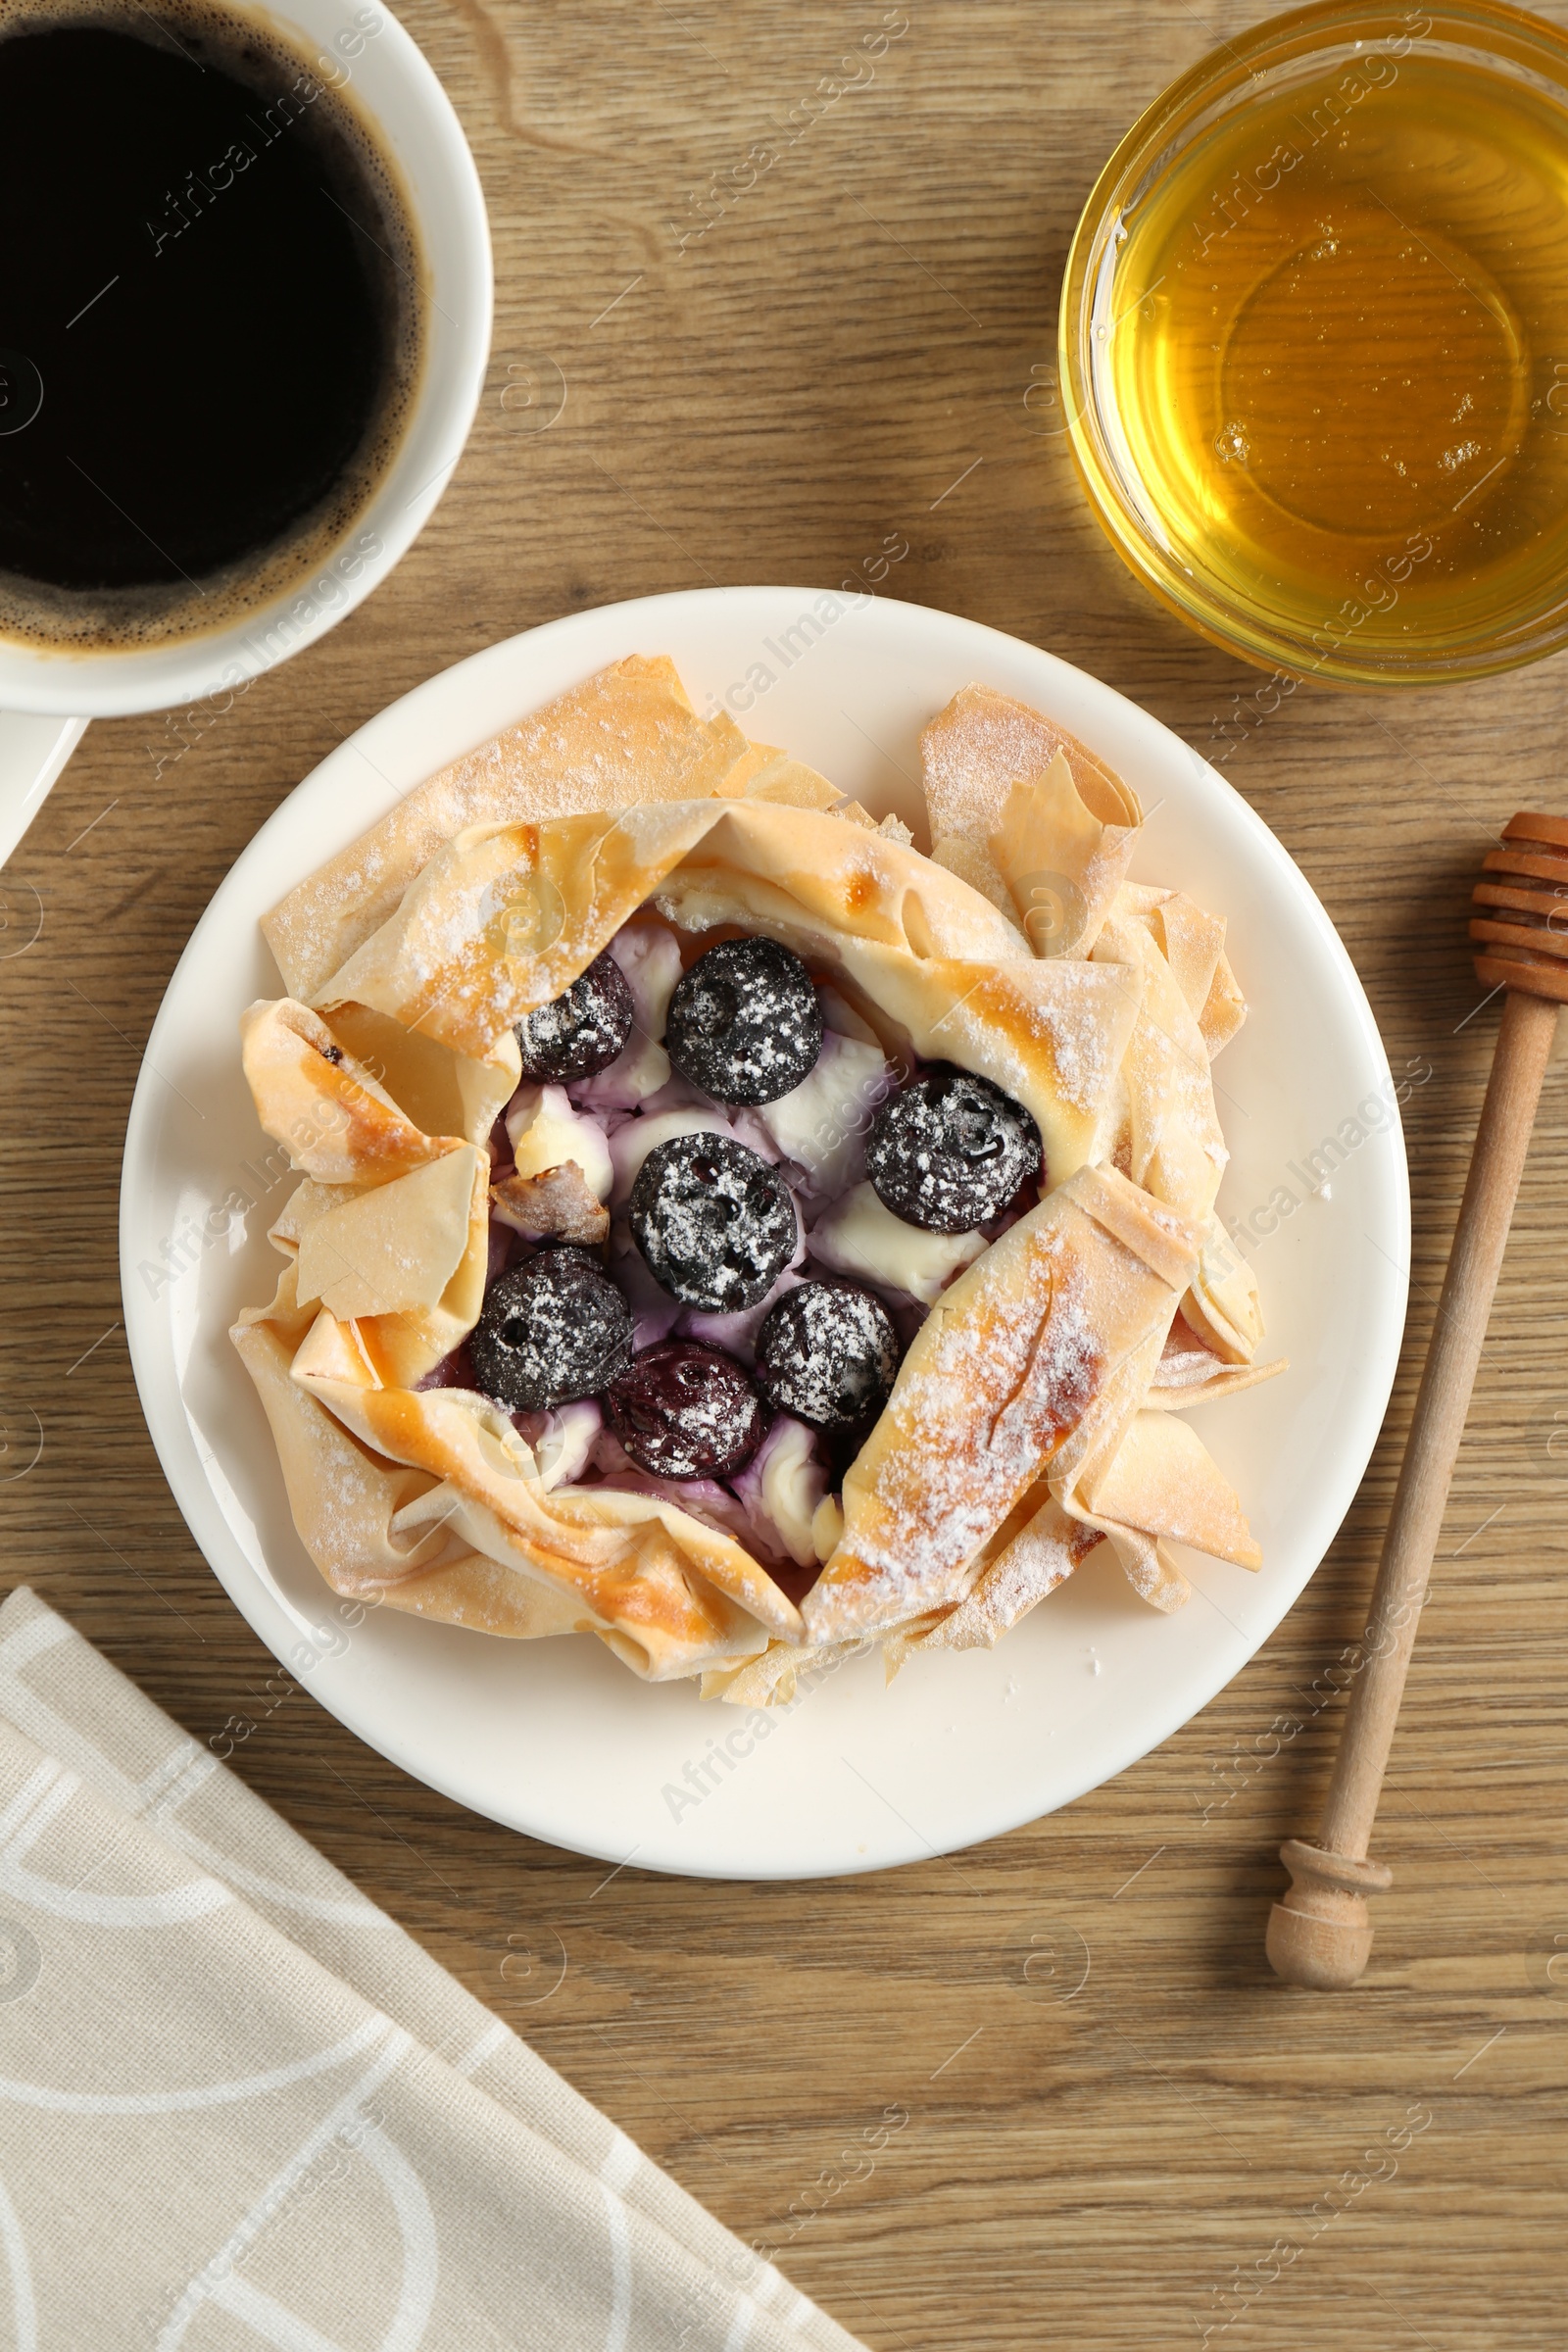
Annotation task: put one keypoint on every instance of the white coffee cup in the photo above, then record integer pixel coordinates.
(47, 696)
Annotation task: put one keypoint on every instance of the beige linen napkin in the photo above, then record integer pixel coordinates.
(239, 2107)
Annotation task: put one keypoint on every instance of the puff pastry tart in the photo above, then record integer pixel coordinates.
(725, 1230)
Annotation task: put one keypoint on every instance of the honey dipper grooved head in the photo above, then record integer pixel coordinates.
(1521, 916)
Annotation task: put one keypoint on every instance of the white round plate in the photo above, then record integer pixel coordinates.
(556, 1738)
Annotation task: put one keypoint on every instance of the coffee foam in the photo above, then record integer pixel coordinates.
(38, 615)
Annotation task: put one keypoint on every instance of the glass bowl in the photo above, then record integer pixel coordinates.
(1313, 343)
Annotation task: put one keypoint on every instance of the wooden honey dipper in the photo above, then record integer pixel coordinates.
(1319, 1933)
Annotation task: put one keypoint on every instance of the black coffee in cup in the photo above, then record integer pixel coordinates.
(210, 313)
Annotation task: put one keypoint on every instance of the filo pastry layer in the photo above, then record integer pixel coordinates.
(1028, 1420)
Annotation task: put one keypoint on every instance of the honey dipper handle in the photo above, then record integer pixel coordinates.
(1319, 1933)
(1524, 1042)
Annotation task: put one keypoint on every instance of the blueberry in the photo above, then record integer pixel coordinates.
(715, 1224)
(685, 1411)
(551, 1331)
(827, 1354)
(951, 1150)
(580, 1033)
(744, 1024)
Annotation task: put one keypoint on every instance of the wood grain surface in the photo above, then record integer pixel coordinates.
(1185, 2145)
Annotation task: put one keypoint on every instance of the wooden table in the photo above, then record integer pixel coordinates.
(845, 355)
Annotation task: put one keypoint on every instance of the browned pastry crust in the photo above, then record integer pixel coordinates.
(1033, 1414)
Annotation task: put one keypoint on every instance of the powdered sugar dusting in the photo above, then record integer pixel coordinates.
(624, 737)
(1040, 1557)
(972, 758)
(996, 1383)
(1080, 1039)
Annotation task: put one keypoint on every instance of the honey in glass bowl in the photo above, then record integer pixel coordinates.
(1315, 341)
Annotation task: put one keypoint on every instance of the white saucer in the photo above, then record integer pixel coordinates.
(33, 749)
(556, 1738)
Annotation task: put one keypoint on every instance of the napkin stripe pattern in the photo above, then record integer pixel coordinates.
(239, 2107)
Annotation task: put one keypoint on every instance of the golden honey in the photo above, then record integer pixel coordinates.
(1329, 361)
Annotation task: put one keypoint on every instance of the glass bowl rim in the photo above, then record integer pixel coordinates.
(1149, 148)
